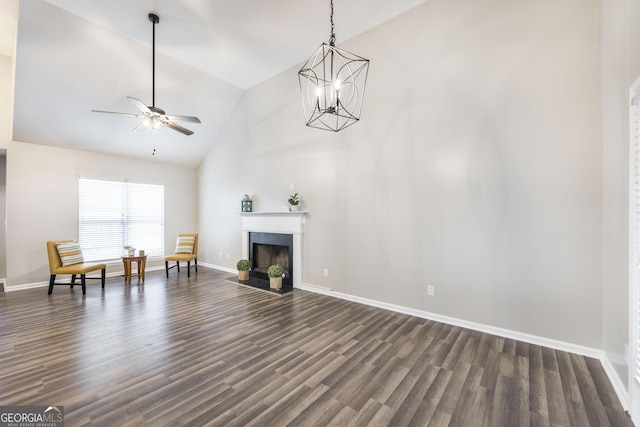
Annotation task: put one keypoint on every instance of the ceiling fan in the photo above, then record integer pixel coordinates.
(153, 116)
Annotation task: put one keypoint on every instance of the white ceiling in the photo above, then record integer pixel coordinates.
(73, 56)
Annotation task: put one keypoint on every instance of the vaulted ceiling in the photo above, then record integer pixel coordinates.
(73, 56)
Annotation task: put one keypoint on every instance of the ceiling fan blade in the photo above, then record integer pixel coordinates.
(139, 127)
(189, 119)
(115, 112)
(139, 104)
(179, 128)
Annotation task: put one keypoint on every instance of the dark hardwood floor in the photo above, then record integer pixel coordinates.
(206, 351)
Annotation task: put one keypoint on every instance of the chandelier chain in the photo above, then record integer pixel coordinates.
(332, 38)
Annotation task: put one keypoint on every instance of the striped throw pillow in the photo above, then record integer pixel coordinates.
(185, 245)
(70, 253)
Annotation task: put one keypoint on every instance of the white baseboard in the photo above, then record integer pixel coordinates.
(67, 279)
(506, 333)
(617, 383)
(219, 267)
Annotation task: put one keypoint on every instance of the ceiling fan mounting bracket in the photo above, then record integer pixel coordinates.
(154, 18)
(157, 110)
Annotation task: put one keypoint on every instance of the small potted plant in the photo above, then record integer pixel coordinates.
(275, 273)
(244, 266)
(131, 251)
(294, 200)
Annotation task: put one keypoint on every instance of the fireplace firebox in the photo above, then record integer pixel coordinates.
(266, 249)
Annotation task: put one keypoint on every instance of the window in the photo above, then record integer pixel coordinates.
(114, 214)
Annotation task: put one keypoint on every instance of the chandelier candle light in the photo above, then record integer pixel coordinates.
(332, 83)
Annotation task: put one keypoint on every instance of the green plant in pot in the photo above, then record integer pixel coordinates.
(275, 273)
(294, 201)
(243, 266)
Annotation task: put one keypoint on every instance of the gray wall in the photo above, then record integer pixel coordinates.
(42, 192)
(476, 168)
(42, 200)
(621, 67)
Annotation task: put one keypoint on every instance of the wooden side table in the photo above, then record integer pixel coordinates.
(128, 260)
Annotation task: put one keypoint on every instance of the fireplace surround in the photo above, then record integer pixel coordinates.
(290, 224)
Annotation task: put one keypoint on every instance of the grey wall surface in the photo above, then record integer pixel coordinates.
(621, 67)
(476, 168)
(42, 201)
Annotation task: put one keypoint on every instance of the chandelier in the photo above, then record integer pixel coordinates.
(332, 83)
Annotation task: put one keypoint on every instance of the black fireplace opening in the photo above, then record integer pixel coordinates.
(266, 249)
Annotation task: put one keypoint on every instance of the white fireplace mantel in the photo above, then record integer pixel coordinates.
(276, 222)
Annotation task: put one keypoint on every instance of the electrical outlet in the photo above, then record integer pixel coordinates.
(228, 255)
(431, 291)
(326, 272)
(220, 255)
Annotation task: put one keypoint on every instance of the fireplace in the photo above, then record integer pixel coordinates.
(280, 229)
(266, 249)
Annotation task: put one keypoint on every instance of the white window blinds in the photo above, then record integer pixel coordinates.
(114, 214)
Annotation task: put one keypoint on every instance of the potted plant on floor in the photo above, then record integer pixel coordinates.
(294, 200)
(275, 273)
(243, 266)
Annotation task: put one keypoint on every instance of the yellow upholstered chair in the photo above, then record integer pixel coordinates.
(65, 257)
(186, 251)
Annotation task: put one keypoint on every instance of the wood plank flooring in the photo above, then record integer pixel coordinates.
(204, 351)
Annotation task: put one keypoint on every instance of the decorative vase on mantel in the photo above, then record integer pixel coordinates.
(294, 200)
(247, 204)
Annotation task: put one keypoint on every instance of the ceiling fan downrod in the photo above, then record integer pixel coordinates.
(154, 19)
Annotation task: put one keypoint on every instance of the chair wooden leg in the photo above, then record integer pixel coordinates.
(166, 267)
(188, 268)
(178, 265)
(104, 274)
(83, 280)
(73, 280)
(51, 281)
(196, 263)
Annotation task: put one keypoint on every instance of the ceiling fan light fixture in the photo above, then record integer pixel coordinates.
(152, 122)
(332, 83)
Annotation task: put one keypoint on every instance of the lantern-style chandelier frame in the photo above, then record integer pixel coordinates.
(332, 83)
